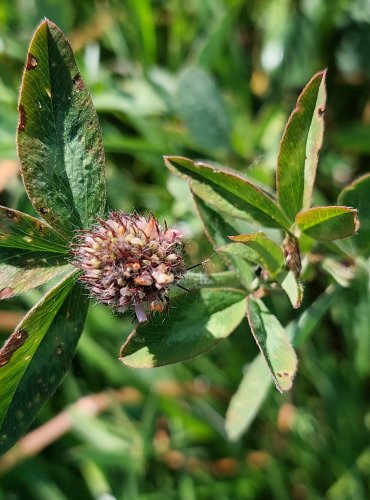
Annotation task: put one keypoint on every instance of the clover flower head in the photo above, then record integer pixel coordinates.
(129, 261)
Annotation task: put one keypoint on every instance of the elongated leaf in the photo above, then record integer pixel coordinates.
(21, 271)
(273, 343)
(59, 139)
(357, 195)
(36, 357)
(197, 322)
(248, 398)
(328, 223)
(254, 387)
(299, 148)
(19, 230)
(231, 186)
(201, 106)
(269, 252)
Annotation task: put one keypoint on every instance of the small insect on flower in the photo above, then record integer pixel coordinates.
(129, 261)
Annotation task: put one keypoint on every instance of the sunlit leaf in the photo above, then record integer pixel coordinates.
(299, 149)
(233, 188)
(292, 287)
(273, 343)
(254, 387)
(270, 253)
(59, 139)
(328, 223)
(197, 322)
(241, 258)
(37, 355)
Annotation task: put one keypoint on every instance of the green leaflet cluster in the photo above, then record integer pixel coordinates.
(62, 159)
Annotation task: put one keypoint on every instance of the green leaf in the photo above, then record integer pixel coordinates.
(21, 271)
(36, 357)
(59, 140)
(254, 387)
(232, 188)
(328, 223)
(299, 148)
(201, 106)
(273, 343)
(21, 231)
(269, 253)
(241, 258)
(357, 195)
(292, 287)
(215, 199)
(196, 281)
(217, 227)
(246, 402)
(197, 322)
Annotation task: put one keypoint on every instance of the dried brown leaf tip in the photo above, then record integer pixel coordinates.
(129, 261)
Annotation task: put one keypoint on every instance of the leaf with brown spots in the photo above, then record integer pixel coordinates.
(62, 157)
(300, 147)
(273, 343)
(22, 231)
(21, 271)
(34, 365)
(13, 343)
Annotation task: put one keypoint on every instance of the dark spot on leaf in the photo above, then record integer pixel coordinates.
(278, 374)
(12, 215)
(6, 293)
(31, 62)
(78, 82)
(13, 343)
(39, 227)
(60, 349)
(321, 111)
(44, 210)
(22, 121)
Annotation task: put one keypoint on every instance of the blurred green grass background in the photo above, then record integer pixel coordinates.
(212, 79)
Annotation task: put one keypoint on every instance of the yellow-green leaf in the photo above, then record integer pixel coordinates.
(273, 343)
(299, 148)
(328, 223)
